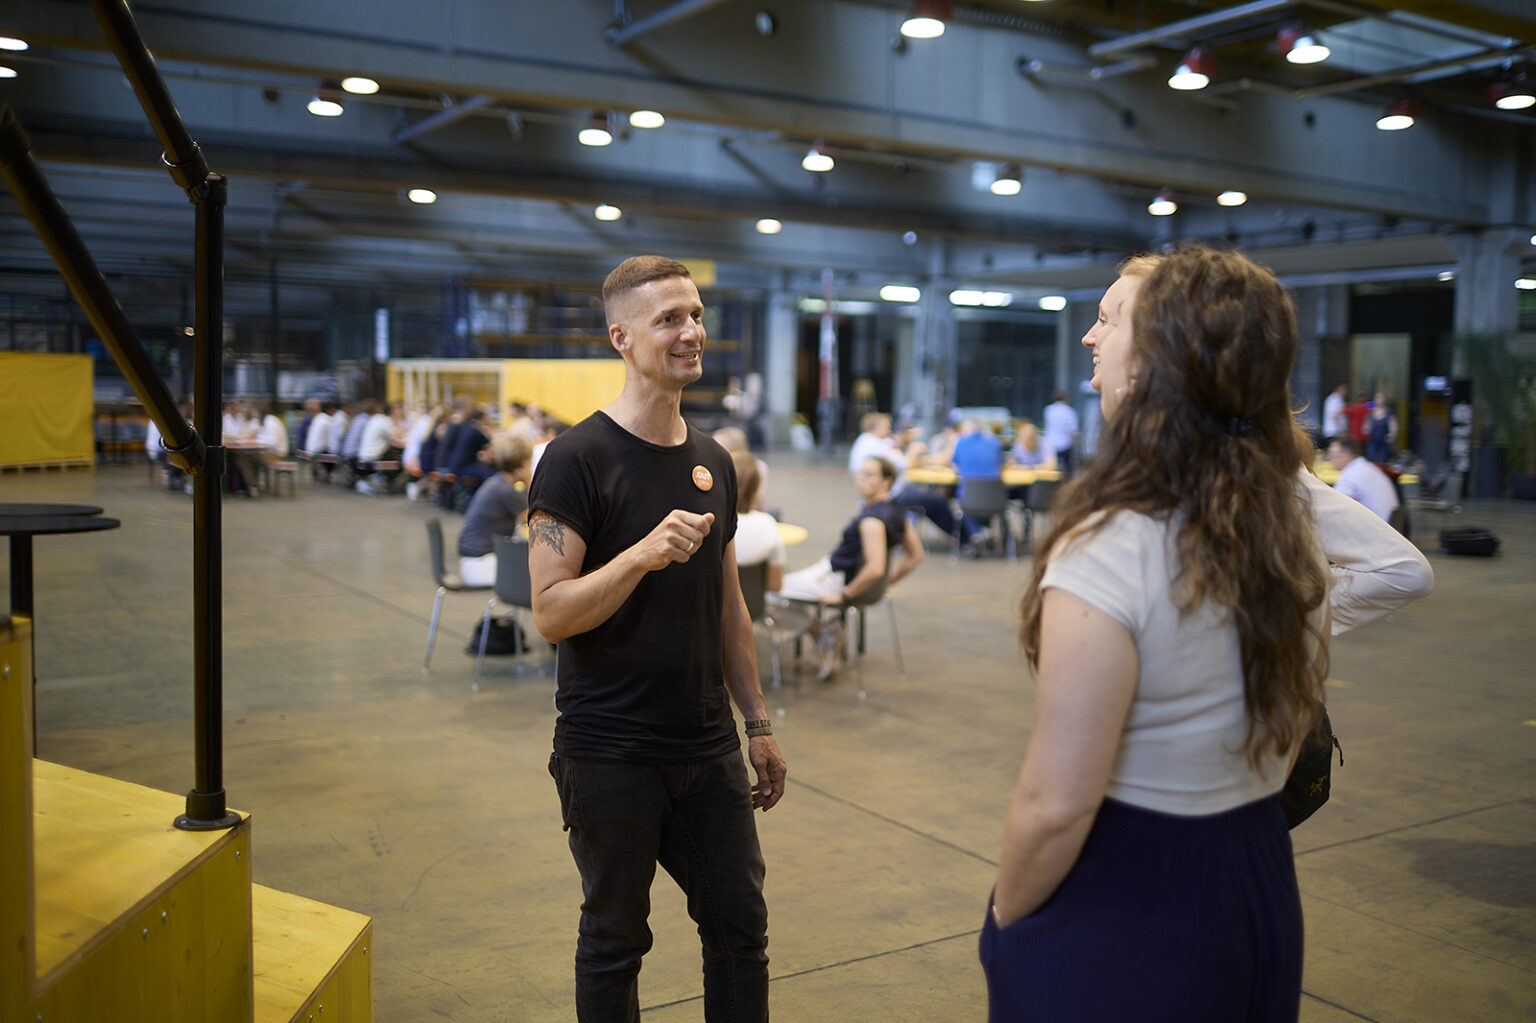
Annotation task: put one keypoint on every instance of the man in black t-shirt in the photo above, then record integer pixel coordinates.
(633, 564)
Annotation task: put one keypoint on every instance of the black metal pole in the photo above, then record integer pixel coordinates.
(206, 810)
(182, 156)
(53, 227)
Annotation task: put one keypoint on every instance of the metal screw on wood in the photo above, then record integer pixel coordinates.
(6, 674)
(164, 917)
(237, 854)
(146, 932)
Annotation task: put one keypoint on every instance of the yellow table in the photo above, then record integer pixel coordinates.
(1013, 476)
(792, 534)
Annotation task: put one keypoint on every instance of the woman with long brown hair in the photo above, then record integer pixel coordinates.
(1177, 623)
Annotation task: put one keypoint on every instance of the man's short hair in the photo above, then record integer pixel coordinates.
(509, 452)
(887, 467)
(872, 420)
(635, 272)
(1351, 445)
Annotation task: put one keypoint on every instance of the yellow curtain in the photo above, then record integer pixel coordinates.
(46, 408)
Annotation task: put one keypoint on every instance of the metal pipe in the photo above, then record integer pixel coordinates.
(58, 235)
(181, 155)
(1189, 26)
(206, 810)
(1091, 74)
(620, 35)
(445, 116)
(1397, 75)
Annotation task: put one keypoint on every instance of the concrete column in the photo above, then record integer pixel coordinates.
(1487, 264)
(782, 341)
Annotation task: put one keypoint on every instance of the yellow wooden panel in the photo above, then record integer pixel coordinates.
(309, 954)
(46, 407)
(185, 957)
(15, 816)
(104, 849)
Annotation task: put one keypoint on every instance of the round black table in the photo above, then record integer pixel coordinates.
(21, 529)
(15, 510)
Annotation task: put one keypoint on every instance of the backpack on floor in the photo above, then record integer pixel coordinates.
(506, 638)
(1469, 540)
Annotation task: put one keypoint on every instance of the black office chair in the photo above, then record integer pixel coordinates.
(1037, 500)
(514, 589)
(987, 500)
(446, 580)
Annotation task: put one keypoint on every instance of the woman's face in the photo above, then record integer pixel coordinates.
(1109, 339)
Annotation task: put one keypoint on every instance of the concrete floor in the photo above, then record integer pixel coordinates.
(427, 805)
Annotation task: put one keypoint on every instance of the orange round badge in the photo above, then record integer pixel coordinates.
(702, 479)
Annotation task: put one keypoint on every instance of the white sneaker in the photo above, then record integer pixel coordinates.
(830, 647)
(363, 487)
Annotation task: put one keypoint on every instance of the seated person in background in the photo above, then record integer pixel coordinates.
(352, 441)
(734, 440)
(272, 435)
(877, 441)
(497, 509)
(1027, 449)
(757, 534)
(463, 457)
(978, 455)
(301, 434)
(860, 559)
(379, 445)
(1359, 479)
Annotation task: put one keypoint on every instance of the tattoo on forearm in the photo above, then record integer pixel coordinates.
(551, 531)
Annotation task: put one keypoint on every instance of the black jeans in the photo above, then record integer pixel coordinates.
(695, 819)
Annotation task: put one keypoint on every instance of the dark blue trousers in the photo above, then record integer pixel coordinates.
(695, 819)
(1162, 918)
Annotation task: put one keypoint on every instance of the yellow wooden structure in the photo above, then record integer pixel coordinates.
(572, 389)
(46, 409)
(108, 912)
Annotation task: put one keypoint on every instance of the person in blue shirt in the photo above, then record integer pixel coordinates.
(978, 455)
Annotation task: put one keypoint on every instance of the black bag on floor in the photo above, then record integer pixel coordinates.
(1469, 540)
(1311, 780)
(506, 638)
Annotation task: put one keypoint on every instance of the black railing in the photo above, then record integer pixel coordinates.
(199, 451)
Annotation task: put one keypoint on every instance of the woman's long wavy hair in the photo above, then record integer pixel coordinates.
(1205, 434)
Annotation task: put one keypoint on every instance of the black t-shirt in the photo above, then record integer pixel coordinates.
(646, 685)
(848, 556)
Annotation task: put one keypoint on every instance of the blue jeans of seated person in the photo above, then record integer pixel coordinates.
(934, 505)
(695, 819)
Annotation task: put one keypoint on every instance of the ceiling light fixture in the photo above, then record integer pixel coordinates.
(1232, 197)
(817, 159)
(646, 119)
(1399, 116)
(927, 20)
(900, 293)
(1512, 93)
(769, 226)
(1299, 46)
(1526, 283)
(607, 212)
(596, 132)
(7, 72)
(326, 102)
(1164, 205)
(1194, 71)
(965, 296)
(1009, 180)
(1446, 275)
(12, 43)
(996, 299)
(360, 86)
(1053, 303)
(422, 196)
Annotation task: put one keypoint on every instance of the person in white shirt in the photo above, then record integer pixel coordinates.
(1334, 423)
(1061, 429)
(1178, 624)
(757, 534)
(877, 441)
(1360, 479)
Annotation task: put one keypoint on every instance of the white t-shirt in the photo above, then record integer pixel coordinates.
(1060, 429)
(273, 436)
(1182, 748)
(757, 539)
(375, 440)
(867, 445)
(1334, 423)
(1370, 486)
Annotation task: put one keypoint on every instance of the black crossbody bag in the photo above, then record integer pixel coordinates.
(1311, 779)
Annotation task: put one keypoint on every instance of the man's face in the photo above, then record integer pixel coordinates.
(659, 330)
(1109, 339)
(1338, 457)
(869, 481)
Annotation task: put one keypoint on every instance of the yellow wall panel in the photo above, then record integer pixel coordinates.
(46, 408)
(15, 817)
